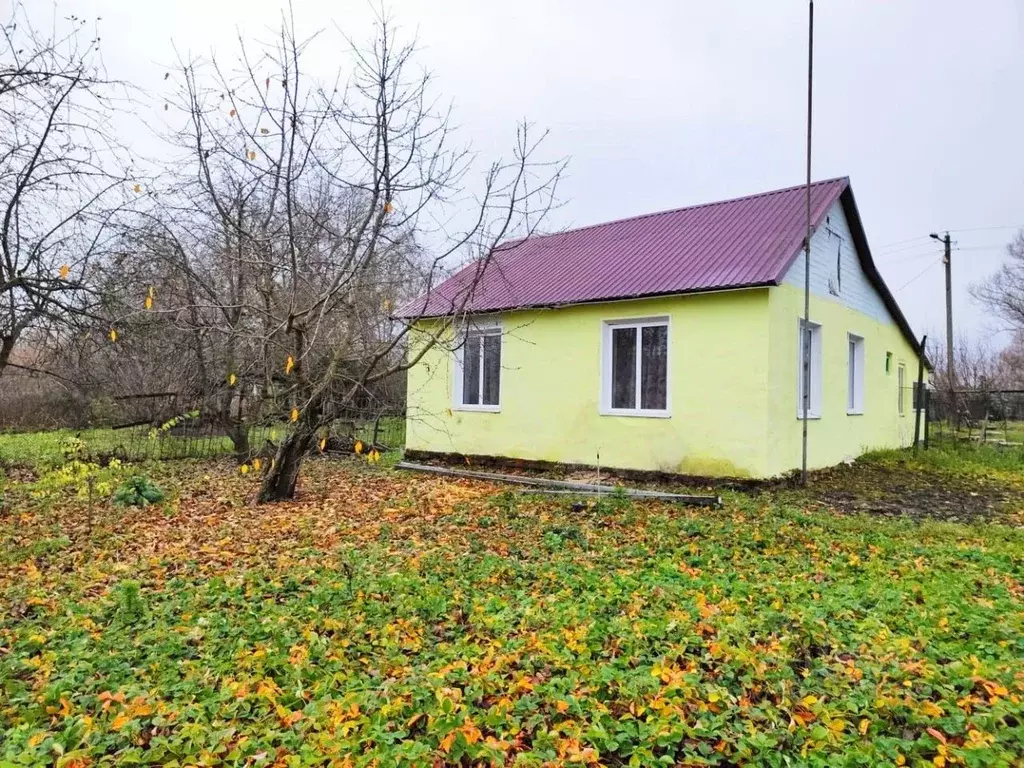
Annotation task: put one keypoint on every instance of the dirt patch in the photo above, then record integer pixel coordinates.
(893, 490)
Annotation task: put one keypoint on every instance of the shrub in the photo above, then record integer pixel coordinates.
(138, 491)
(130, 606)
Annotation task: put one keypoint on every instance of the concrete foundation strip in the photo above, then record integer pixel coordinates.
(564, 486)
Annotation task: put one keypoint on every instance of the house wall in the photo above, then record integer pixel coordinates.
(719, 371)
(843, 301)
(733, 374)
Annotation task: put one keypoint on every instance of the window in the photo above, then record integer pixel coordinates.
(809, 373)
(478, 370)
(634, 379)
(855, 371)
(901, 378)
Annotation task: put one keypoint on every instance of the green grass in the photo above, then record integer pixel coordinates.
(396, 619)
(43, 450)
(957, 457)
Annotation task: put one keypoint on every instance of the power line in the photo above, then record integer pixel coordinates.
(919, 274)
(901, 242)
(989, 229)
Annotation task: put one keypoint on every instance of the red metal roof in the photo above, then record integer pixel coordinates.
(745, 242)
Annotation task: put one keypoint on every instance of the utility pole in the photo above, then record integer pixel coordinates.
(805, 364)
(950, 366)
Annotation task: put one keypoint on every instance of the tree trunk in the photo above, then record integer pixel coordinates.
(6, 347)
(279, 482)
(238, 434)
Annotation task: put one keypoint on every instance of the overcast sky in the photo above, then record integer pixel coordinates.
(668, 103)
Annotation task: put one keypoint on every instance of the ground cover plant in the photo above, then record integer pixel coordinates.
(394, 619)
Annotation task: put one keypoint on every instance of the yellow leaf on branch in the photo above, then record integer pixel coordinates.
(323, 444)
(137, 188)
(256, 464)
(112, 334)
(289, 364)
(232, 379)
(295, 414)
(148, 303)
(359, 446)
(252, 154)
(65, 270)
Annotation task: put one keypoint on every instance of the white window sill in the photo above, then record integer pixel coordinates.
(855, 412)
(479, 408)
(632, 412)
(812, 416)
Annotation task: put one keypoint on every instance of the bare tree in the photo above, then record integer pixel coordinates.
(62, 177)
(301, 213)
(1003, 292)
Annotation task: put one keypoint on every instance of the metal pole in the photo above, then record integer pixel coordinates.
(805, 389)
(919, 404)
(950, 366)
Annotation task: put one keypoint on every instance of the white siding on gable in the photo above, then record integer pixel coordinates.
(836, 273)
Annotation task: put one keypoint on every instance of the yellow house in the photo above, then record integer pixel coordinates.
(670, 342)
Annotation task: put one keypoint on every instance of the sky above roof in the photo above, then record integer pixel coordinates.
(666, 104)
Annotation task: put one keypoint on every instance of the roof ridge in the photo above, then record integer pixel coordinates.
(509, 244)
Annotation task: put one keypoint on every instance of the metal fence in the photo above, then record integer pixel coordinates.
(991, 416)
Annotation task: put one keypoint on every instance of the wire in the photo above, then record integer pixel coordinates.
(887, 246)
(910, 257)
(989, 229)
(919, 274)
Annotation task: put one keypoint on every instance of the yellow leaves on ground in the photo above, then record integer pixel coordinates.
(64, 271)
(448, 740)
(256, 464)
(244, 469)
(373, 456)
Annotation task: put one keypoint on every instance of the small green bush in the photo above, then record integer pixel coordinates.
(138, 491)
(130, 605)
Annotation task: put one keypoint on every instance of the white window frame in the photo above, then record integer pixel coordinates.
(855, 375)
(488, 328)
(605, 401)
(814, 407)
(901, 382)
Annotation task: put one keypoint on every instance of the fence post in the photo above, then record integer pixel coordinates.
(927, 414)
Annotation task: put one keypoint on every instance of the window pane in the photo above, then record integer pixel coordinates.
(471, 370)
(624, 368)
(901, 376)
(492, 368)
(806, 343)
(851, 398)
(654, 367)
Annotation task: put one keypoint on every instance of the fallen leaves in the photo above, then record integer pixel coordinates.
(382, 612)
